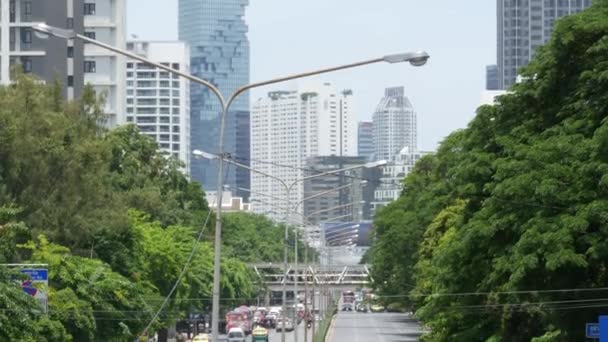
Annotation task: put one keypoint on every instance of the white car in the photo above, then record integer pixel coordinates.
(236, 335)
(284, 323)
(274, 312)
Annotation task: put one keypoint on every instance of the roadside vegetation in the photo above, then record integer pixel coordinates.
(114, 219)
(493, 234)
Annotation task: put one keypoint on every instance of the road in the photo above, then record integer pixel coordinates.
(289, 336)
(375, 327)
(275, 336)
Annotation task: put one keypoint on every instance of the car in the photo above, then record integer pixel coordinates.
(284, 323)
(236, 335)
(201, 338)
(361, 307)
(377, 308)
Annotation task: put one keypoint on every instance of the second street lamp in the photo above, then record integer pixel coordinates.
(417, 58)
(287, 188)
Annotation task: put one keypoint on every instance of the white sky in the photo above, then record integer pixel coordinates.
(288, 36)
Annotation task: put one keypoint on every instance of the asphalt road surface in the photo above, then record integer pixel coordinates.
(375, 327)
(275, 336)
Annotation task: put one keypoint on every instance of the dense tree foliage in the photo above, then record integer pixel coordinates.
(494, 233)
(256, 238)
(113, 217)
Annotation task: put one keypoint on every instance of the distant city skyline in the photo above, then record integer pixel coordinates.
(459, 36)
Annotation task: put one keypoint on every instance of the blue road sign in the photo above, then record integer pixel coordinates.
(603, 328)
(592, 330)
(36, 274)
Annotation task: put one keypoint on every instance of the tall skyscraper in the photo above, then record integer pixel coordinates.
(394, 124)
(219, 51)
(523, 26)
(159, 102)
(287, 127)
(365, 139)
(104, 20)
(49, 59)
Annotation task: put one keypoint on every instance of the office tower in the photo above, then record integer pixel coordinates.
(158, 102)
(492, 77)
(104, 20)
(287, 127)
(391, 181)
(50, 58)
(339, 190)
(394, 124)
(523, 26)
(366, 139)
(219, 50)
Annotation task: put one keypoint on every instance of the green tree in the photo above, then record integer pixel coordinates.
(513, 207)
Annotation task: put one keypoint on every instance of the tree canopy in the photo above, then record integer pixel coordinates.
(114, 218)
(501, 234)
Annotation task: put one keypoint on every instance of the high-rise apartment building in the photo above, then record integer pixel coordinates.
(394, 124)
(158, 102)
(49, 59)
(104, 20)
(287, 127)
(523, 26)
(219, 51)
(365, 139)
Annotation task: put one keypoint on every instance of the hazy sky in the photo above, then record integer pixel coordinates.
(288, 36)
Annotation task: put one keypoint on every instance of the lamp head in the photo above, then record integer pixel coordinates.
(418, 58)
(199, 154)
(375, 164)
(43, 31)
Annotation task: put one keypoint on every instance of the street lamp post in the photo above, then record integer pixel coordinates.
(418, 58)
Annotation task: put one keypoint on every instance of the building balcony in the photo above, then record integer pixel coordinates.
(91, 50)
(99, 79)
(98, 21)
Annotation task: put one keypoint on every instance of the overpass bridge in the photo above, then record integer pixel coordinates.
(331, 277)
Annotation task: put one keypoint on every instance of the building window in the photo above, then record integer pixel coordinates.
(89, 9)
(70, 52)
(26, 36)
(27, 8)
(90, 34)
(70, 81)
(70, 23)
(89, 66)
(27, 65)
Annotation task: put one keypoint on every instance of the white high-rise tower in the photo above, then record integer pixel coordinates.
(394, 124)
(287, 127)
(159, 102)
(104, 20)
